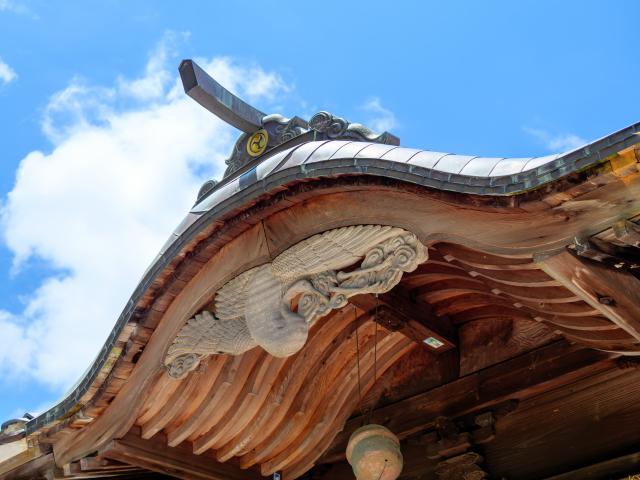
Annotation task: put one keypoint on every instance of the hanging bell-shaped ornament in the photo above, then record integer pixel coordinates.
(374, 453)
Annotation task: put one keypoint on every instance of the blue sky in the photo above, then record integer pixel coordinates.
(102, 154)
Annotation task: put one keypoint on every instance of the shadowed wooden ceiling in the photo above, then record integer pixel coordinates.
(281, 414)
(264, 414)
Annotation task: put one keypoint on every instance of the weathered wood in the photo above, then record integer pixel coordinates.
(620, 467)
(116, 469)
(540, 370)
(499, 231)
(590, 420)
(613, 293)
(121, 414)
(257, 388)
(99, 463)
(627, 232)
(291, 391)
(310, 446)
(237, 404)
(339, 368)
(42, 467)
(397, 312)
(207, 407)
(492, 340)
(180, 462)
(182, 398)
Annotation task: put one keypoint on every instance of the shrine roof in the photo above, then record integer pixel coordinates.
(287, 165)
(469, 174)
(280, 175)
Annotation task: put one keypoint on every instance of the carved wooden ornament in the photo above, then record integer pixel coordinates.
(274, 305)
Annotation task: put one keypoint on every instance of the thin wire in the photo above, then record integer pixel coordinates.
(355, 317)
(375, 345)
(383, 469)
(266, 241)
(375, 354)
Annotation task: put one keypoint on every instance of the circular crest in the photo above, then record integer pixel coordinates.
(257, 143)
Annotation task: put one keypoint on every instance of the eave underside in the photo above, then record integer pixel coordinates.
(487, 280)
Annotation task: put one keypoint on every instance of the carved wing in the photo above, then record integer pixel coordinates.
(330, 250)
(231, 298)
(204, 334)
(209, 334)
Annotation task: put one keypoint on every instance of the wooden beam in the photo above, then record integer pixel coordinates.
(99, 463)
(627, 232)
(155, 455)
(42, 467)
(396, 311)
(540, 370)
(620, 467)
(614, 293)
(75, 470)
(31, 453)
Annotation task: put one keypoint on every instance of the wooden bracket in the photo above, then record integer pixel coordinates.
(396, 311)
(613, 292)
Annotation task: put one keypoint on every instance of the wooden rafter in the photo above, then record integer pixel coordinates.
(614, 293)
(180, 462)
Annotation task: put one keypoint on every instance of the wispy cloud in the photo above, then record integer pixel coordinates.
(7, 74)
(13, 6)
(255, 83)
(556, 142)
(380, 118)
(157, 77)
(126, 162)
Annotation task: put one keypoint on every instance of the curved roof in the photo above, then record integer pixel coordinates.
(458, 173)
(443, 171)
(288, 164)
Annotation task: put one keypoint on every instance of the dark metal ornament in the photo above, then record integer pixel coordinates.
(262, 132)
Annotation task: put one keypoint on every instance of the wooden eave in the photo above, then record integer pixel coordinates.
(491, 255)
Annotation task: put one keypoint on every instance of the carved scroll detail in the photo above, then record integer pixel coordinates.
(379, 272)
(339, 128)
(274, 305)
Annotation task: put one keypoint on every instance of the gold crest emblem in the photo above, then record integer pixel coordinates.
(257, 143)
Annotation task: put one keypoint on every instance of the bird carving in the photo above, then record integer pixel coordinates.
(274, 305)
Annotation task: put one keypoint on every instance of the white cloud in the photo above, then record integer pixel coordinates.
(153, 84)
(7, 74)
(16, 347)
(6, 5)
(381, 119)
(75, 109)
(252, 80)
(19, 412)
(13, 6)
(126, 163)
(557, 143)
